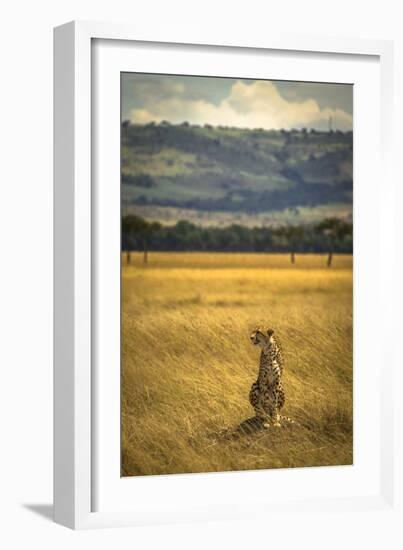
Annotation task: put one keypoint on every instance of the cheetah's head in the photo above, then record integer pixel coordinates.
(262, 337)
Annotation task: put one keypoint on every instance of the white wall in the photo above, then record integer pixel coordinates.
(26, 268)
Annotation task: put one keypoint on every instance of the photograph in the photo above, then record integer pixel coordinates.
(236, 274)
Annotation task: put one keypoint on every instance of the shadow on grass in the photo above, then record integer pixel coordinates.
(248, 427)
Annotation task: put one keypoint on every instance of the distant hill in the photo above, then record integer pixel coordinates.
(232, 173)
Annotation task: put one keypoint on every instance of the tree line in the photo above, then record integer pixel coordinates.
(330, 236)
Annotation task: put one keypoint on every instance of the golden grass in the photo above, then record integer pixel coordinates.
(188, 364)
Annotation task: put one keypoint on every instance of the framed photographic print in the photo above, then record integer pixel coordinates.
(225, 226)
(222, 276)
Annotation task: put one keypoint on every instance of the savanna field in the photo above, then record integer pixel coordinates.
(188, 364)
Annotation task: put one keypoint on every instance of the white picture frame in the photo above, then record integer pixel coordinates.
(80, 428)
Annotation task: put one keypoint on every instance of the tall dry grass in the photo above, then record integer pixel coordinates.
(188, 364)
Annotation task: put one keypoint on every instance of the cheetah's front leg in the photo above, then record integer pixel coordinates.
(275, 414)
(261, 413)
(271, 406)
(276, 418)
(256, 399)
(269, 409)
(272, 418)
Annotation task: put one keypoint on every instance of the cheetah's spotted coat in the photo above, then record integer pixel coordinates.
(267, 393)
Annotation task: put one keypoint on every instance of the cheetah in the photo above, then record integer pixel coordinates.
(267, 393)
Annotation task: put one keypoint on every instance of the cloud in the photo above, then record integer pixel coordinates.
(140, 88)
(336, 96)
(256, 105)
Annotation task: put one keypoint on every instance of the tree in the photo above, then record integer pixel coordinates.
(333, 230)
(295, 235)
(329, 236)
(138, 232)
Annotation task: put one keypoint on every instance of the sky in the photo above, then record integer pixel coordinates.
(239, 103)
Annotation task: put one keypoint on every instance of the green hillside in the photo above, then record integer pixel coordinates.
(232, 171)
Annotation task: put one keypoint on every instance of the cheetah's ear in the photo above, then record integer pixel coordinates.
(270, 332)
